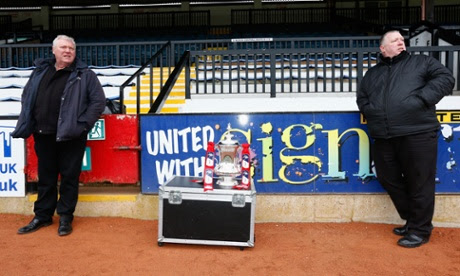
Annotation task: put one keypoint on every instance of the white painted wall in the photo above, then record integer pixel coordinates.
(312, 102)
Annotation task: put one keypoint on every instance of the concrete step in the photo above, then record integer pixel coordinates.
(156, 81)
(145, 110)
(145, 100)
(270, 208)
(174, 93)
(175, 99)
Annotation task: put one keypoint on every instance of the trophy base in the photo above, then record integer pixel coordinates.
(227, 182)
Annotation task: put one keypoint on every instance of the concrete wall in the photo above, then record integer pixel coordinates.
(376, 208)
(372, 208)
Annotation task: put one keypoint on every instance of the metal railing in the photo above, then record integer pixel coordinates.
(166, 89)
(129, 21)
(96, 54)
(278, 71)
(449, 14)
(382, 16)
(283, 71)
(6, 22)
(138, 53)
(159, 60)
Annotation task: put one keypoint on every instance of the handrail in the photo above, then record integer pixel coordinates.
(122, 54)
(281, 71)
(166, 90)
(137, 75)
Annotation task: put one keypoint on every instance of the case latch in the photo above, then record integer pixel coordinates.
(238, 200)
(175, 197)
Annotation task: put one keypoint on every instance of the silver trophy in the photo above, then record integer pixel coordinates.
(228, 167)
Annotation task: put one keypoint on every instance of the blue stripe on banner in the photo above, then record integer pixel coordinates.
(291, 152)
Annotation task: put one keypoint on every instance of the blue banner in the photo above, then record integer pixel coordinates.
(290, 152)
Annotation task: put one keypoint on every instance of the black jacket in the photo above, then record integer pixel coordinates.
(398, 96)
(82, 102)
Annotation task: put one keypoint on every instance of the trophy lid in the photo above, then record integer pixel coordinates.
(228, 140)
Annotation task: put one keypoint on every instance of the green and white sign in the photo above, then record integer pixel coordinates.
(98, 131)
(86, 163)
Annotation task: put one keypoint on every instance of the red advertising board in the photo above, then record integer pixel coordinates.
(113, 159)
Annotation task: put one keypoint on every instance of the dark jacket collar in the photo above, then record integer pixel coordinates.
(76, 65)
(394, 60)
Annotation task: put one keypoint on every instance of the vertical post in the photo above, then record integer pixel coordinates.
(429, 10)
(458, 71)
(357, 10)
(151, 82)
(122, 89)
(187, 78)
(272, 75)
(117, 47)
(138, 95)
(450, 60)
(172, 52)
(422, 16)
(45, 14)
(10, 62)
(359, 68)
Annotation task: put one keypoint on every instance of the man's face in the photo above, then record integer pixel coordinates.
(64, 51)
(392, 45)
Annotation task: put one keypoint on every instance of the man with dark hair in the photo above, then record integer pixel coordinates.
(398, 98)
(60, 104)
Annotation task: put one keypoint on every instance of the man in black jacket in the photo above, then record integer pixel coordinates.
(398, 98)
(60, 104)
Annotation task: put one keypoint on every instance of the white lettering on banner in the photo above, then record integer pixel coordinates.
(183, 134)
(198, 167)
(206, 138)
(195, 139)
(167, 169)
(165, 142)
(174, 141)
(185, 164)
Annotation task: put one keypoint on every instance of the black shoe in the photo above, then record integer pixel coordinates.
(65, 228)
(412, 240)
(34, 225)
(401, 231)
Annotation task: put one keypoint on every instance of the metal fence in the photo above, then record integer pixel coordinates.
(124, 21)
(159, 60)
(5, 23)
(137, 53)
(445, 14)
(448, 14)
(284, 71)
(96, 54)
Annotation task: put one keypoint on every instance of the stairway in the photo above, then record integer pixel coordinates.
(172, 105)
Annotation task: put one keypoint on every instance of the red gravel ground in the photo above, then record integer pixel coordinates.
(121, 246)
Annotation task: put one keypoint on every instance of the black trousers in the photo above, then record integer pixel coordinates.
(54, 159)
(406, 168)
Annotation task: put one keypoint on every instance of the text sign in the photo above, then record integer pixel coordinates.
(291, 152)
(12, 160)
